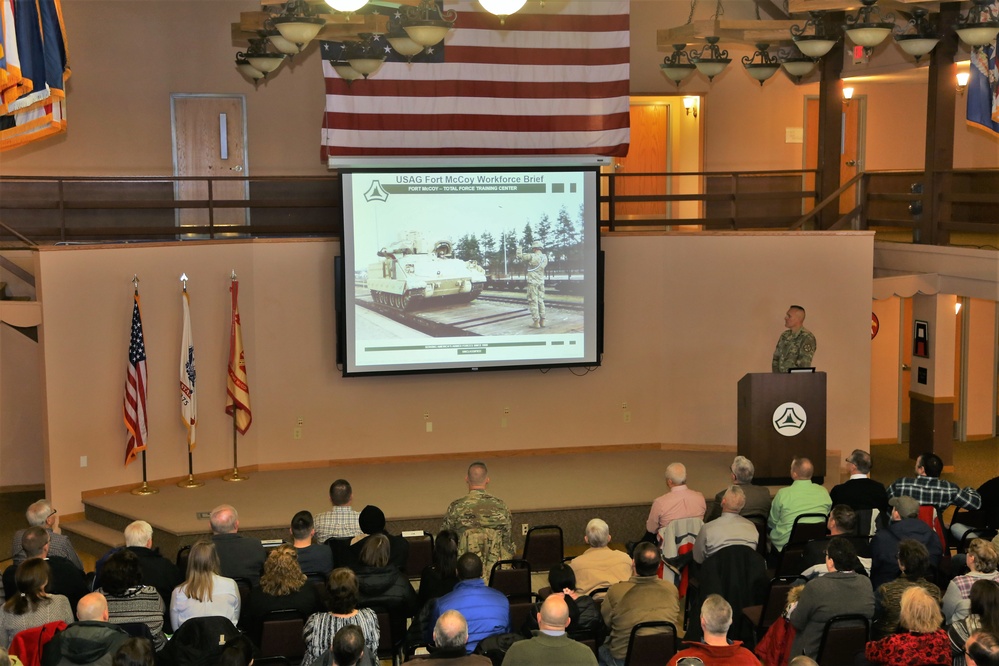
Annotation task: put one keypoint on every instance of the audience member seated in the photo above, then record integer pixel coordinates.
(90, 641)
(314, 559)
(801, 497)
(905, 524)
(984, 616)
(482, 521)
(716, 618)
(486, 610)
(551, 644)
(983, 649)
(347, 649)
(678, 502)
(989, 492)
(599, 565)
(928, 488)
(238, 652)
(41, 514)
(842, 523)
(583, 611)
(439, 578)
(383, 587)
(758, 498)
(341, 520)
(66, 579)
(642, 598)
(128, 600)
(729, 529)
(842, 591)
(922, 642)
(283, 586)
(372, 521)
(913, 563)
(157, 570)
(860, 492)
(450, 639)
(32, 606)
(135, 652)
(204, 592)
(321, 628)
(982, 560)
(239, 556)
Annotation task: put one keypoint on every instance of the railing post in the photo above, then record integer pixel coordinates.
(62, 212)
(611, 206)
(211, 210)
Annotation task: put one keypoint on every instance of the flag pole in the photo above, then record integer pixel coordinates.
(190, 481)
(234, 475)
(145, 488)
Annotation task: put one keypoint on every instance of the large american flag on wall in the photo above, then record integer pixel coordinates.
(552, 80)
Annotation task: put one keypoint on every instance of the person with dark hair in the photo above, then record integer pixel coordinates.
(842, 522)
(129, 601)
(796, 346)
(486, 610)
(914, 564)
(283, 586)
(984, 617)
(842, 591)
(641, 598)
(135, 652)
(348, 646)
(90, 641)
(982, 562)
(383, 587)
(372, 522)
(928, 488)
(341, 521)
(584, 614)
(905, 524)
(321, 628)
(482, 521)
(238, 652)
(439, 578)
(860, 492)
(983, 649)
(66, 579)
(315, 559)
(32, 606)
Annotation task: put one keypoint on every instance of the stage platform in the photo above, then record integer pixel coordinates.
(565, 489)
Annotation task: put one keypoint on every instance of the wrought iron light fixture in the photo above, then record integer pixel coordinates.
(366, 55)
(282, 45)
(815, 44)
(868, 28)
(765, 68)
(400, 40)
(674, 68)
(257, 57)
(427, 24)
(973, 29)
(298, 23)
(922, 39)
(345, 71)
(712, 64)
(796, 66)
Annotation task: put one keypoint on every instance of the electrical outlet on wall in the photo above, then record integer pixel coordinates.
(523, 529)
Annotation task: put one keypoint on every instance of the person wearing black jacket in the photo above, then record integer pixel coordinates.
(383, 587)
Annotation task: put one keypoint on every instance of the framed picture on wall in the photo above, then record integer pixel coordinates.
(921, 339)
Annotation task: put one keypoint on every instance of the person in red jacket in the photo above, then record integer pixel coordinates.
(716, 618)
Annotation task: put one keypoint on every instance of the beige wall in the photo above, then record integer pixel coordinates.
(886, 363)
(686, 317)
(980, 339)
(21, 441)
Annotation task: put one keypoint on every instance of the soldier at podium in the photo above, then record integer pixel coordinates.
(796, 345)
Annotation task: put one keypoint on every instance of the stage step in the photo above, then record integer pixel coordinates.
(93, 538)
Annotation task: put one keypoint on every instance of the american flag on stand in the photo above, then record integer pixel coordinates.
(135, 387)
(551, 80)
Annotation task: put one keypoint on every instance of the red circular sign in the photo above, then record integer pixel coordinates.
(875, 325)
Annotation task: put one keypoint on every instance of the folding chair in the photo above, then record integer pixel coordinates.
(651, 648)
(543, 547)
(421, 554)
(763, 616)
(281, 635)
(514, 581)
(844, 637)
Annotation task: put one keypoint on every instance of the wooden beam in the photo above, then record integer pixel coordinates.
(689, 32)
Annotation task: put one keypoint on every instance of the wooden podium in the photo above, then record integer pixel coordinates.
(781, 416)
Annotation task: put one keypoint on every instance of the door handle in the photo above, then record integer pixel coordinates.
(237, 168)
(906, 367)
(852, 163)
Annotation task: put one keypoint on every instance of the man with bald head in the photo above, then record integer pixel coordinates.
(729, 529)
(240, 556)
(483, 522)
(550, 644)
(678, 502)
(92, 640)
(65, 578)
(796, 345)
(450, 639)
(802, 496)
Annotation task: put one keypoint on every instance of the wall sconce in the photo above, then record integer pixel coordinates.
(957, 308)
(962, 81)
(847, 94)
(690, 105)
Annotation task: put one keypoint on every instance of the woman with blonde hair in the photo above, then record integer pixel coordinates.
(924, 642)
(283, 586)
(31, 606)
(205, 592)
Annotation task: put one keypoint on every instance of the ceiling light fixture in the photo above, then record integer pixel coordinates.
(815, 44)
(673, 67)
(298, 23)
(423, 27)
(502, 8)
(259, 58)
(365, 55)
(797, 66)
(765, 68)
(345, 71)
(868, 28)
(346, 6)
(922, 39)
(973, 29)
(715, 62)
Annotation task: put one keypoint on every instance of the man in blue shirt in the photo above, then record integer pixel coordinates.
(486, 610)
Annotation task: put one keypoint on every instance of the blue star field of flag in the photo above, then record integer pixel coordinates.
(137, 346)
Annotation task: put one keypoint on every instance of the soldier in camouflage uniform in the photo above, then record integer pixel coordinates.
(482, 521)
(537, 260)
(796, 345)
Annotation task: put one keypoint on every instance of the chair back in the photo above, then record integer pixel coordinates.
(844, 637)
(136, 630)
(928, 514)
(806, 527)
(390, 637)
(281, 635)
(512, 578)
(764, 616)
(421, 554)
(543, 547)
(651, 644)
(521, 609)
(761, 530)
(244, 586)
(182, 556)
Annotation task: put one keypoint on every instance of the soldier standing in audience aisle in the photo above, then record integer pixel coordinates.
(537, 261)
(482, 521)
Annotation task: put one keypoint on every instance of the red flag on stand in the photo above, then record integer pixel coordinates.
(237, 390)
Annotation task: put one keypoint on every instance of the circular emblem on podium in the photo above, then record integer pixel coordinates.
(789, 419)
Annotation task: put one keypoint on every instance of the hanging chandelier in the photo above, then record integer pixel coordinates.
(797, 66)
(922, 39)
(975, 30)
(346, 6)
(763, 69)
(710, 60)
(427, 24)
(258, 58)
(298, 23)
(674, 68)
(815, 44)
(502, 8)
(868, 28)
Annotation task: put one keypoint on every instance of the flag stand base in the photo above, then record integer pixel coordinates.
(144, 489)
(235, 476)
(190, 482)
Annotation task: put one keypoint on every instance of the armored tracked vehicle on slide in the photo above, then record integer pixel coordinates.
(409, 277)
